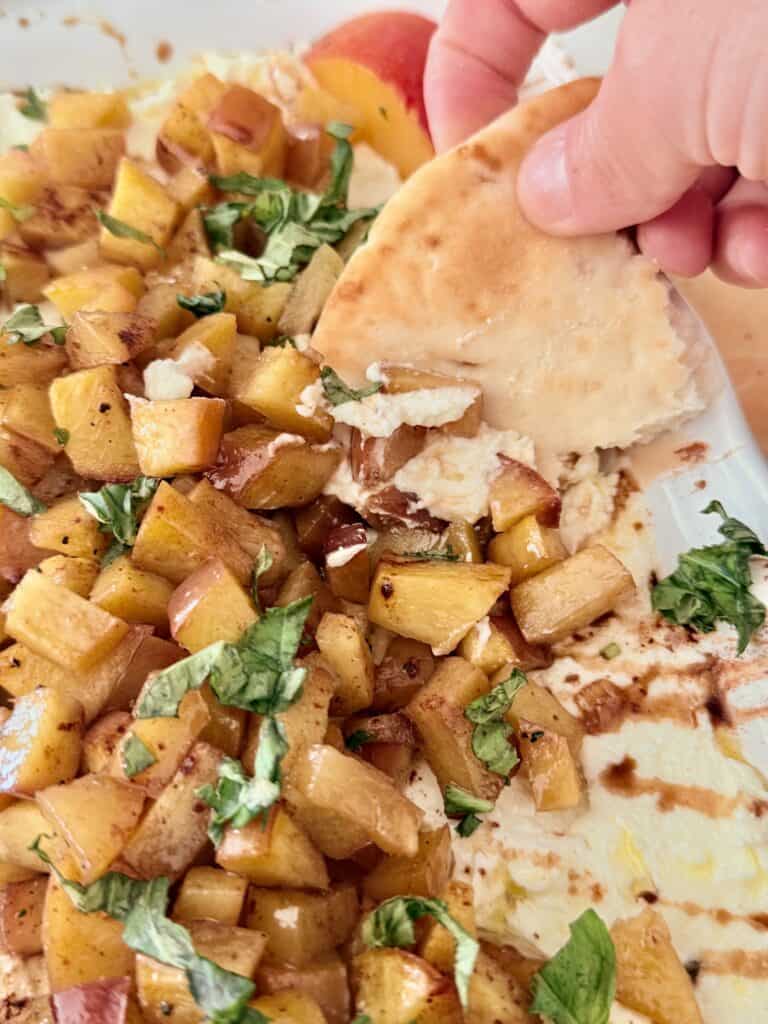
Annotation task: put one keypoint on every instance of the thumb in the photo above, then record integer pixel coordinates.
(609, 167)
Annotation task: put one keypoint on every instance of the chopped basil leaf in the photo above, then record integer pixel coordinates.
(140, 906)
(363, 1018)
(26, 325)
(120, 229)
(204, 304)
(337, 392)
(257, 673)
(118, 508)
(263, 564)
(114, 893)
(22, 146)
(61, 435)
(490, 736)
(3, 273)
(237, 799)
(712, 584)
(610, 651)
(167, 689)
(468, 825)
(357, 739)
(136, 756)
(16, 497)
(279, 342)
(296, 223)
(391, 924)
(458, 801)
(19, 213)
(33, 107)
(261, 676)
(578, 984)
(434, 555)
(219, 221)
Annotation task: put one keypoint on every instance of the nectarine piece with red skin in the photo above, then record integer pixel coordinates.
(376, 63)
(98, 1002)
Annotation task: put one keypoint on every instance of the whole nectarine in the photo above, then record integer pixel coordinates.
(376, 64)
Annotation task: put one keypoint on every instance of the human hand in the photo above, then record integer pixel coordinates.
(676, 141)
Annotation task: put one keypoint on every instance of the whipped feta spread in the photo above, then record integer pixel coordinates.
(676, 817)
(175, 378)
(311, 399)
(452, 475)
(380, 415)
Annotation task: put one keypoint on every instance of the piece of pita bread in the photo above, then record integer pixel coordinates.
(575, 341)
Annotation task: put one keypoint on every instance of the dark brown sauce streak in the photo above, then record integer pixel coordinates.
(623, 780)
(605, 707)
(724, 917)
(736, 961)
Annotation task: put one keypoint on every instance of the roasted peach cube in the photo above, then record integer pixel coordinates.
(248, 133)
(26, 273)
(437, 711)
(177, 436)
(550, 766)
(301, 926)
(528, 548)
(570, 595)
(426, 874)
(218, 334)
(277, 387)
(650, 978)
(209, 605)
(26, 411)
(36, 611)
(435, 602)
(89, 405)
(496, 642)
(142, 202)
(63, 216)
(518, 491)
(40, 742)
(310, 292)
(175, 536)
(87, 157)
(262, 468)
(132, 594)
(96, 339)
(347, 563)
(76, 574)
(348, 790)
(276, 854)
(183, 140)
(95, 816)
(88, 110)
(97, 288)
(68, 528)
(210, 893)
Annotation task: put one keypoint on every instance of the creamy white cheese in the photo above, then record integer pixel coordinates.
(380, 415)
(587, 509)
(175, 378)
(311, 399)
(342, 556)
(452, 475)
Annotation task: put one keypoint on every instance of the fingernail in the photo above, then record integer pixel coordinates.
(544, 183)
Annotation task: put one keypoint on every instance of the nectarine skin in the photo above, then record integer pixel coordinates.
(376, 62)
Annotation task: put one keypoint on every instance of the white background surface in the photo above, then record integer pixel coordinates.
(48, 53)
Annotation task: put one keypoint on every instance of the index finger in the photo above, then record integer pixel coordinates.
(481, 53)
